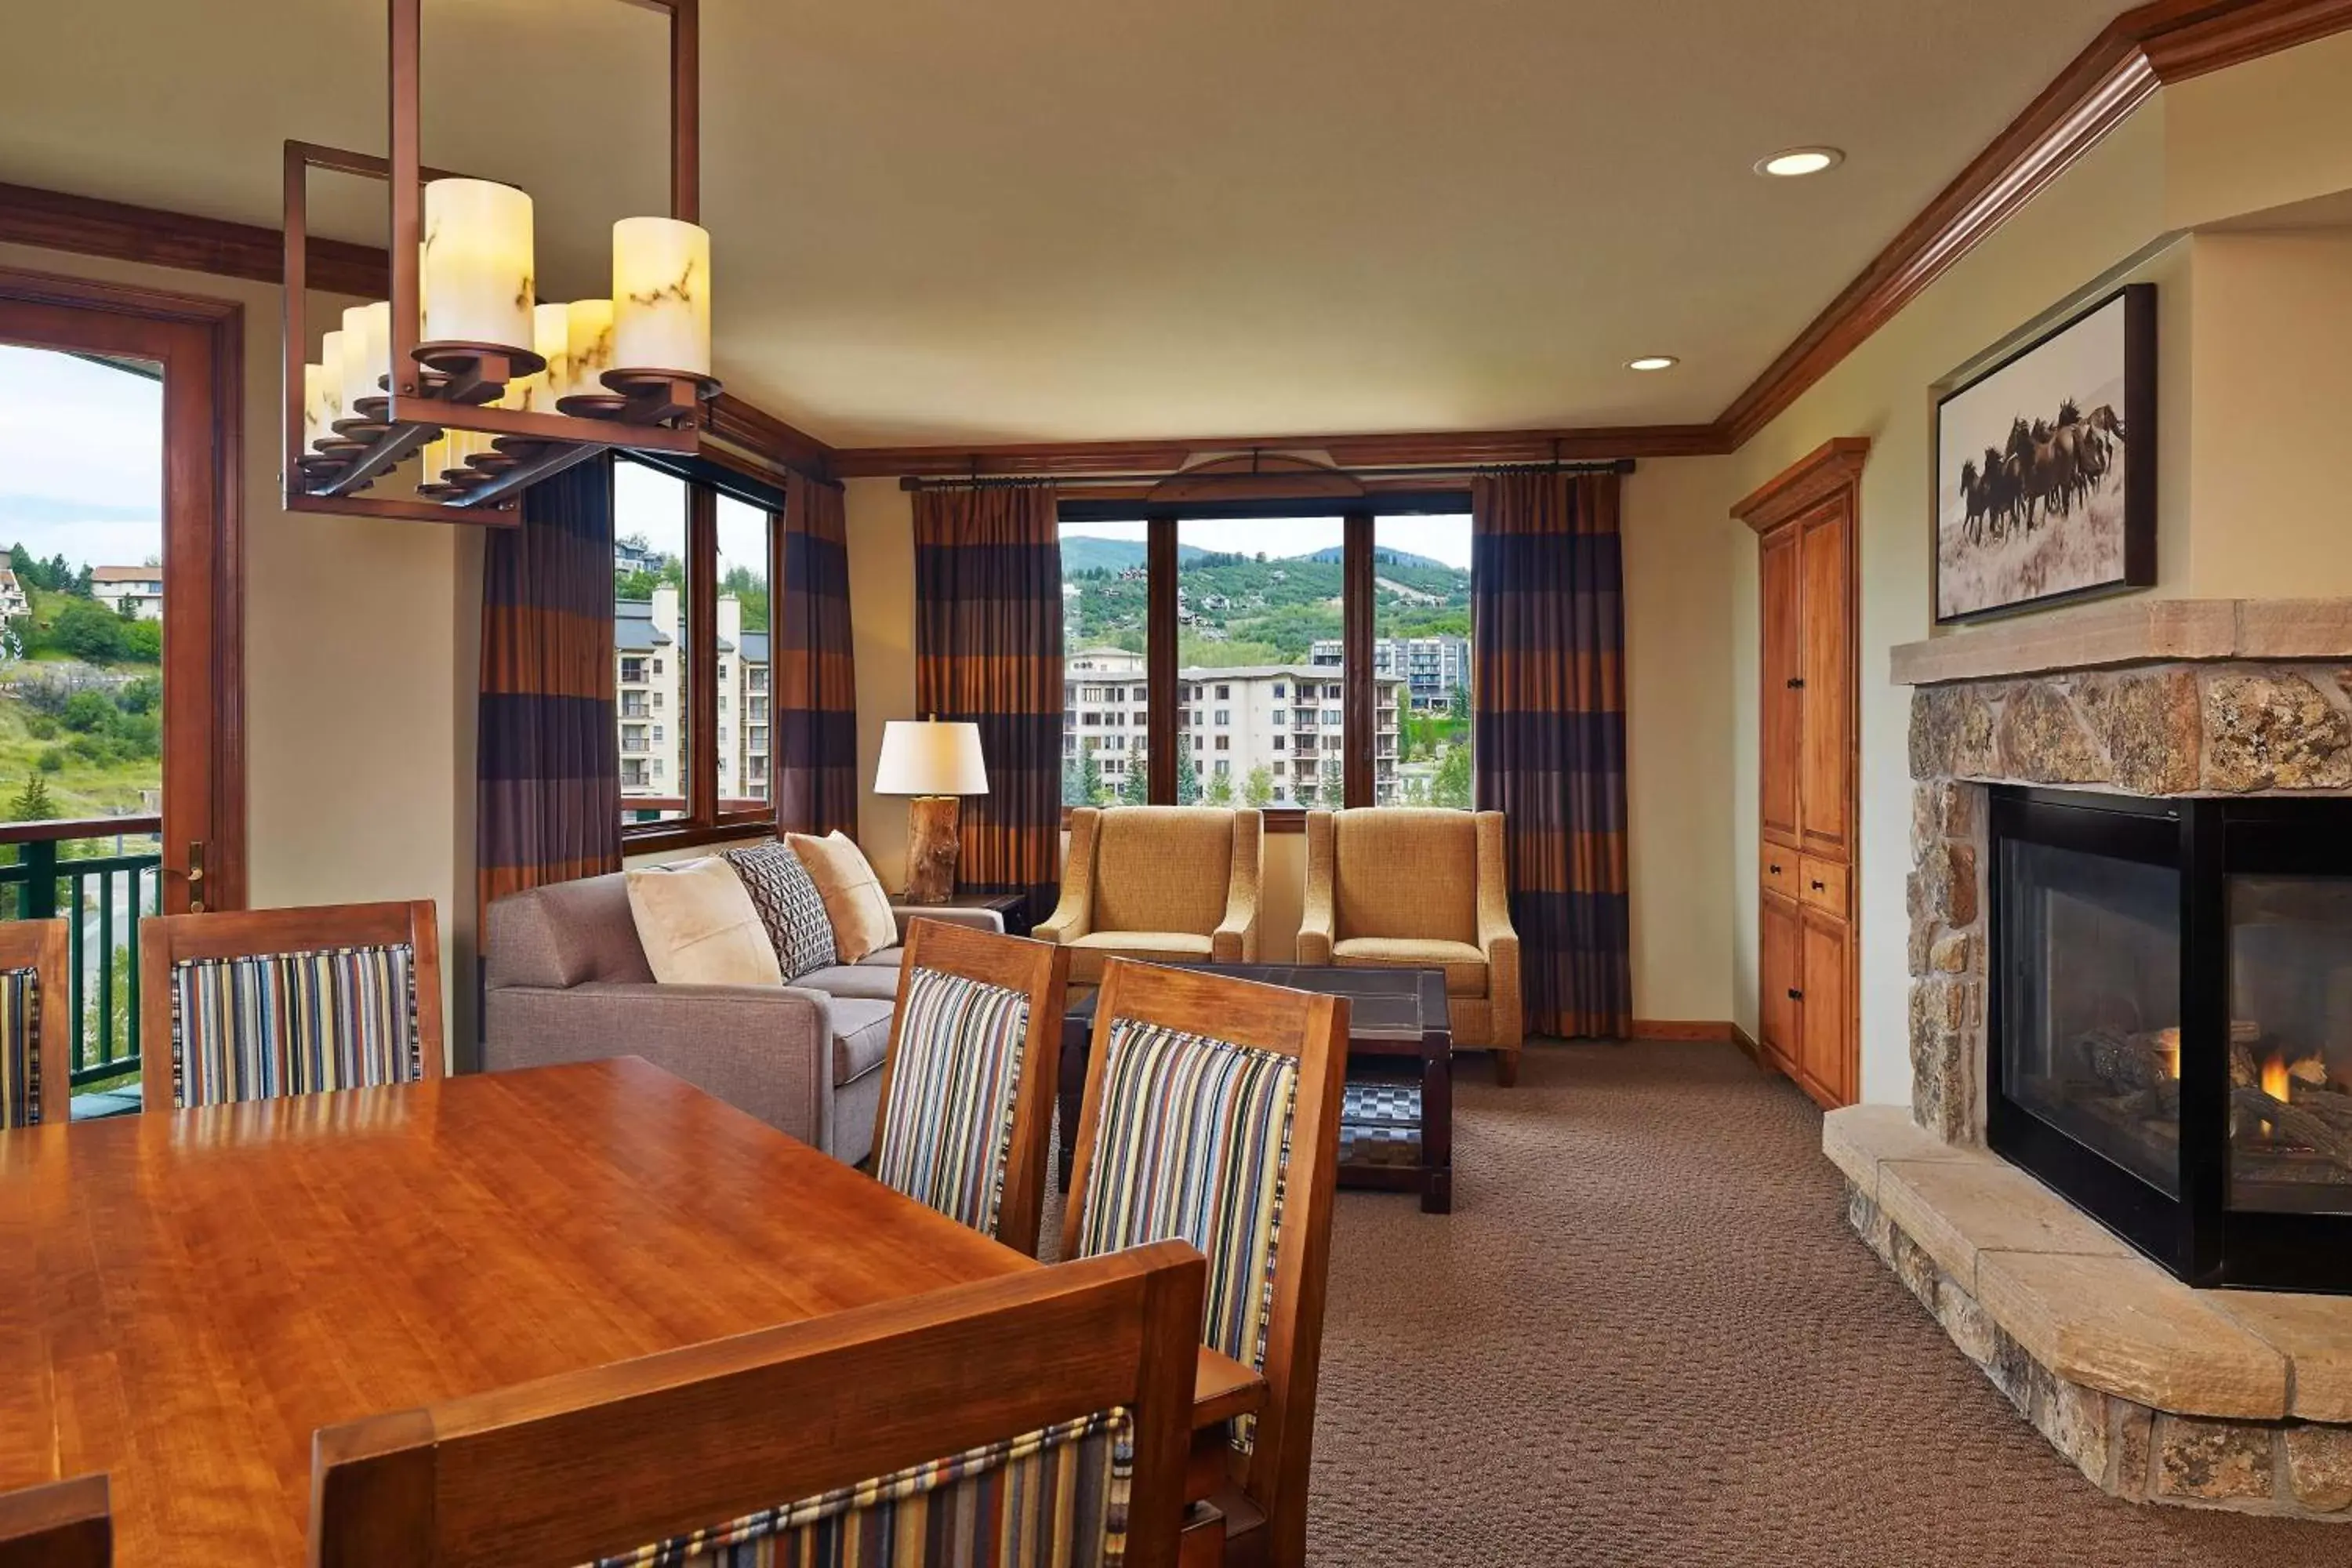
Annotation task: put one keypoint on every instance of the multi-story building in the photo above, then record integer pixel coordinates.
(1435, 668)
(649, 686)
(1287, 719)
(13, 601)
(140, 588)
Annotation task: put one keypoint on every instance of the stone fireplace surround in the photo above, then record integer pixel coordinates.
(2156, 1391)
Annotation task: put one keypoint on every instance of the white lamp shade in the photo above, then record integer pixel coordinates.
(588, 347)
(929, 756)
(331, 381)
(367, 352)
(661, 296)
(551, 330)
(478, 280)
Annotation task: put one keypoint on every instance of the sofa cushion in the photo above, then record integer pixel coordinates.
(1162, 869)
(698, 926)
(1465, 965)
(567, 934)
(887, 958)
(1088, 953)
(861, 1038)
(789, 906)
(860, 979)
(1404, 872)
(854, 899)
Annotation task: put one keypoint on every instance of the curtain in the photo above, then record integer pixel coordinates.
(548, 769)
(1547, 637)
(815, 696)
(988, 648)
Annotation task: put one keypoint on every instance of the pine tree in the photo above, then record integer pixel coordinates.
(33, 803)
(1257, 790)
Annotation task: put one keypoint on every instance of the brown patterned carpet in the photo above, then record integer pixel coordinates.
(1645, 1335)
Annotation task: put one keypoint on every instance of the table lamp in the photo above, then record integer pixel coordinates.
(936, 762)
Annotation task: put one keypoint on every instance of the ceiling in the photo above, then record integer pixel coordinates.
(937, 222)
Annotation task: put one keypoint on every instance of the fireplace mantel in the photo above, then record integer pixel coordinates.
(2132, 632)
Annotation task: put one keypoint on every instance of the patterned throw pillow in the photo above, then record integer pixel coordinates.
(789, 905)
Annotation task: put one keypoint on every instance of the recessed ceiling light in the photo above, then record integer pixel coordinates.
(1799, 161)
(1653, 361)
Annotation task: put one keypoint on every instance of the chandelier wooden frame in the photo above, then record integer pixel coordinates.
(451, 386)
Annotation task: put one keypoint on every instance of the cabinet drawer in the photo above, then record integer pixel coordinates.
(1822, 884)
(1778, 867)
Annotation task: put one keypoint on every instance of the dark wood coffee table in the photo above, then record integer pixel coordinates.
(1396, 1118)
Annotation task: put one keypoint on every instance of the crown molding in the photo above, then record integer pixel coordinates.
(2136, 54)
(1350, 451)
(1829, 468)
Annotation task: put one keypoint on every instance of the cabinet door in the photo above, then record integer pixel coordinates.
(1783, 664)
(1824, 1025)
(1779, 976)
(1823, 801)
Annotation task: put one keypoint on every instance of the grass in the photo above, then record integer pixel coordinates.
(81, 788)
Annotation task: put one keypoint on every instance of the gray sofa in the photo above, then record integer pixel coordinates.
(568, 982)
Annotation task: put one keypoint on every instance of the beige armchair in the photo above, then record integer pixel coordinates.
(1406, 888)
(1170, 883)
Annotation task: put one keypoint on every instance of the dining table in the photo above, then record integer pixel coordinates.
(185, 1297)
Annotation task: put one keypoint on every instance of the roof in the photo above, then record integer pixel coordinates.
(126, 574)
(633, 627)
(754, 648)
(1317, 672)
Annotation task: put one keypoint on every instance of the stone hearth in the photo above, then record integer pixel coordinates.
(2157, 1391)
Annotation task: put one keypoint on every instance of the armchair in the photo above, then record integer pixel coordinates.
(1409, 888)
(1165, 883)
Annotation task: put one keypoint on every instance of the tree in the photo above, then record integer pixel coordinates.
(33, 803)
(1452, 785)
(1082, 781)
(140, 695)
(88, 712)
(1334, 792)
(1134, 788)
(1257, 790)
(1221, 789)
(89, 630)
(142, 642)
(27, 570)
(1188, 782)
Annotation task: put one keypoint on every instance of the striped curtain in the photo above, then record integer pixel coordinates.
(988, 648)
(1548, 633)
(549, 769)
(816, 698)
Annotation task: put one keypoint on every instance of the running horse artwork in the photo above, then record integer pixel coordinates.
(2045, 466)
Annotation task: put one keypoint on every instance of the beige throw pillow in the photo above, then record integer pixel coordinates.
(853, 898)
(699, 927)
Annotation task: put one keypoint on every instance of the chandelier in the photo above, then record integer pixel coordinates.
(464, 370)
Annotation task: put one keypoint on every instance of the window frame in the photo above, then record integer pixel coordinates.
(704, 822)
(1359, 701)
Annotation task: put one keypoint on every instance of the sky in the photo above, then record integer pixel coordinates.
(81, 459)
(1445, 539)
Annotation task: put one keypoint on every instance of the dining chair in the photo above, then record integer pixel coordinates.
(967, 1105)
(1039, 1417)
(37, 1018)
(255, 1004)
(64, 1524)
(1212, 1114)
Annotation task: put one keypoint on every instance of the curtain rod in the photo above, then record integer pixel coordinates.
(1439, 471)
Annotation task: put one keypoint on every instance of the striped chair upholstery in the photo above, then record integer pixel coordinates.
(947, 1131)
(1192, 1143)
(20, 1046)
(1055, 1497)
(265, 1025)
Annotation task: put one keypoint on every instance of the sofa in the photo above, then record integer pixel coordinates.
(568, 982)
(1159, 883)
(1418, 889)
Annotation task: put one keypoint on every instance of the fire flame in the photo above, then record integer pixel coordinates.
(2274, 1077)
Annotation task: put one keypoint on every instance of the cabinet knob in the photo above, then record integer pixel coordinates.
(1774, 868)
(1795, 994)
(1819, 885)
(1796, 683)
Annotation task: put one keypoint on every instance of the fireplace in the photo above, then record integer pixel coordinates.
(2170, 1023)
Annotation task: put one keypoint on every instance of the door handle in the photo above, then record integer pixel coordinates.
(195, 875)
(1795, 994)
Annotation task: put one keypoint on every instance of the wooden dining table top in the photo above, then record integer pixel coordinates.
(185, 1298)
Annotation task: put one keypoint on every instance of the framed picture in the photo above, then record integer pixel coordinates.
(2046, 466)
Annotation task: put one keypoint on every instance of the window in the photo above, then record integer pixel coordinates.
(1420, 660)
(691, 571)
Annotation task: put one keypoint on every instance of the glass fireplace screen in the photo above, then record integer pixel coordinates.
(2290, 1043)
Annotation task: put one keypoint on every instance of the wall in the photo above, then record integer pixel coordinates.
(2249, 499)
(360, 658)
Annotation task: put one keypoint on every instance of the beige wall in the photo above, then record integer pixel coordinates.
(2249, 499)
(360, 658)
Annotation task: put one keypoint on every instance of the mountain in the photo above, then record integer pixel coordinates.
(1085, 553)
(1381, 553)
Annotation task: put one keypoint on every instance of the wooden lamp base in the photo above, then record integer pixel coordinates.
(933, 842)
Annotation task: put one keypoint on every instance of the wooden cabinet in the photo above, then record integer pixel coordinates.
(1806, 522)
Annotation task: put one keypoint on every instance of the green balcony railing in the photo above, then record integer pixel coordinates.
(95, 874)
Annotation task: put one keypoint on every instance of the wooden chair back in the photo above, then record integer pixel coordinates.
(1313, 1031)
(165, 941)
(1039, 972)
(65, 1524)
(593, 1464)
(37, 1062)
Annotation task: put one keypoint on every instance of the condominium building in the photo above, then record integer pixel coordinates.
(1285, 718)
(13, 600)
(129, 590)
(1435, 668)
(649, 686)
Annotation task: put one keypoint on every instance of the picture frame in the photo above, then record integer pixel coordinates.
(2044, 469)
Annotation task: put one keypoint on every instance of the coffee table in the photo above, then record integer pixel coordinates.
(1396, 1116)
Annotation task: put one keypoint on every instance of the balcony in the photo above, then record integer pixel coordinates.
(92, 873)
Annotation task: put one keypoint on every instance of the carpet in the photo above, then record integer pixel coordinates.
(1645, 1335)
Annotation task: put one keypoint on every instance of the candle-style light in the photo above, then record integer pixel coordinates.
(551, 338)
(588, 346)
(478, 276)
(317, 405)
(331, 383)
(661, 296)
(367, 353)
